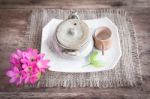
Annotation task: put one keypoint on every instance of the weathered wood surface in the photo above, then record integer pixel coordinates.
(13, 27)
(73, 3)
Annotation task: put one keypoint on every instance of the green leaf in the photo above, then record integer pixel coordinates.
(92, 60)
(93, 56)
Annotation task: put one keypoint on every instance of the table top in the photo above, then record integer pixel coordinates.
(13, 22)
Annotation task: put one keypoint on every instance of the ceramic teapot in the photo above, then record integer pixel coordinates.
(73, 38)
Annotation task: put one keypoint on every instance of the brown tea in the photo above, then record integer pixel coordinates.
(103, 34)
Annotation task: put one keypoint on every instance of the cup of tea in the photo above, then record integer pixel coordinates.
(103, 38)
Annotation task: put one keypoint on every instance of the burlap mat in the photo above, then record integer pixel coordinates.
(126, 73)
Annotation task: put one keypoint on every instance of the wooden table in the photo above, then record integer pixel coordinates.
(13, 22)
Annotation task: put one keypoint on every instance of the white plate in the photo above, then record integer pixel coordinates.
(60, 64)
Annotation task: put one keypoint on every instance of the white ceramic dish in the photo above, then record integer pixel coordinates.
(61, 64)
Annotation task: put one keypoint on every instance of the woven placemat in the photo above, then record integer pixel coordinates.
(126, 73)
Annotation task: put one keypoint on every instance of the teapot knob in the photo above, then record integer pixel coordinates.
(74, 15)
(72, 32)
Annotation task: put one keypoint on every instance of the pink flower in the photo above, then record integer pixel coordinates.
(16, 57)
(32, 54)
(27, 66)
(30, 67)
(31, 77)
(15, 76)
(42, 65)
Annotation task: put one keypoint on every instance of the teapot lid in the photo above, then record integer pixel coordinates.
(72, 33)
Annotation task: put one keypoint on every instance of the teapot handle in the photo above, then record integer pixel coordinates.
(74, 15)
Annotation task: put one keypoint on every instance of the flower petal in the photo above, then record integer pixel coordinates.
(16, 69)
(10, 73)
(26, 80)
(13, 79)
(24, 60)
(41, 55)
(19, 52)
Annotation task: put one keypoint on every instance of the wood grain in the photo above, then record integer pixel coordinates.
(13, 24)
(72, 3)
